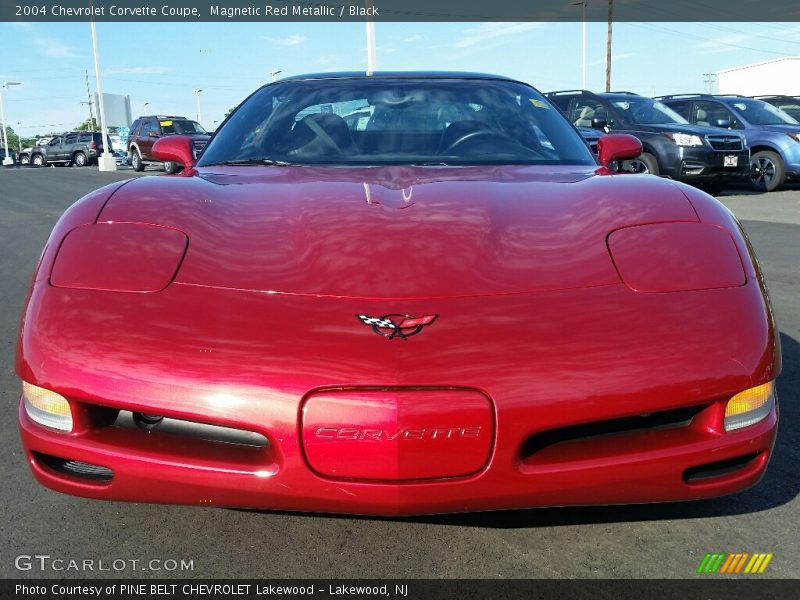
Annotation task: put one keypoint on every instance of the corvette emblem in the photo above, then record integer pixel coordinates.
(396, 325)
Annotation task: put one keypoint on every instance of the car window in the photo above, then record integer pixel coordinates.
(71, 138)
(586, 109)
(180, 127)
(709, 114)
(151, 126)
(398, 121)
(682, 107)
(55, 141)
(646, 111)
(85, 137)
(790, 107)
(759, 112)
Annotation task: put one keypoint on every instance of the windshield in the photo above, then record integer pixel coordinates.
(397, 121)
(759, 112)
(181, 127)
(645, 111)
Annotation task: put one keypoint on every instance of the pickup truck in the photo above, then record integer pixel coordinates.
(79, 148)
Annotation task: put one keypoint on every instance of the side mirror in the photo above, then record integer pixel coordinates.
(153, 134)
(175, 148)
(599, 123)
(724, 123)
(617, 146)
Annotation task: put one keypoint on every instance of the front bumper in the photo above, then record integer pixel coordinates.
(562, 386)
(704, 164)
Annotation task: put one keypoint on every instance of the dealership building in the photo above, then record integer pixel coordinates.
(778, 77)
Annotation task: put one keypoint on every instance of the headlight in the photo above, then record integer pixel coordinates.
(47, 408)
(750, 406)
(119, 257)
(676, 257)
(685, 139)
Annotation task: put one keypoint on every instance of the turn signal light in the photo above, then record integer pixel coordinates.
(47, 408)
(750, 406)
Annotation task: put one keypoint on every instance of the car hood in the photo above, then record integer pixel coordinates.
(692, 129)
(398, 232)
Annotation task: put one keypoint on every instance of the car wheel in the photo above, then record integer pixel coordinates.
(79, 159)
(136, 160)
(644, 163)
(767, 172)
(172, 167)
(25, 160)
(37, 160)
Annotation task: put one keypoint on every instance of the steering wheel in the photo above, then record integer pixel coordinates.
(473, 135)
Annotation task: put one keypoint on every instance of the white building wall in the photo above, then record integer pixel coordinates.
(773, 77)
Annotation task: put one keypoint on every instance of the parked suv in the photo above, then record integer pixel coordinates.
(788, 104)
(79, 148)
(773, 136)
(146, 130)
(671, 146)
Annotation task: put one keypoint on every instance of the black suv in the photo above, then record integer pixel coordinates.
(78, 148)
(146, 130)
(671, 146)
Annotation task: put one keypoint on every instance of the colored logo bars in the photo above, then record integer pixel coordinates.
(738, 563)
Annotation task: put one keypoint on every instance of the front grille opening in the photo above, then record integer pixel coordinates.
(195, 430)
(717, 469)
(75, 468)
(668, 419)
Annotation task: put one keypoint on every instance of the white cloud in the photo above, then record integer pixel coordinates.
(411, 38)
(491, 31)
(289, 40)
(53, 48)
(614, 58)
(138, 70)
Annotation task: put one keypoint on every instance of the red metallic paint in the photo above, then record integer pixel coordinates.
(121, 257)
(176, 148)
(532, 313)
(398, 433)
(617, 146)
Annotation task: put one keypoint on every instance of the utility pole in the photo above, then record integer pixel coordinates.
(608, 45)
(92, 125)
(583, 4)
(710, 79)
(371, 57)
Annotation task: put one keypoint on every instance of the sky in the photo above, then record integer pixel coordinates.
(164, 63)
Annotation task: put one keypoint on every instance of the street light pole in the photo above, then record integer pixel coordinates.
(371, 58)
(7, 158)
(199, 113)
(274, 74)
(146, 106)
(106, 161)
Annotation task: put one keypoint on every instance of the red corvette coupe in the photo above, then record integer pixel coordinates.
(398, 294)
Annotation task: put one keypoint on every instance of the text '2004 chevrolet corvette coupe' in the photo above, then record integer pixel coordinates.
(398, 294)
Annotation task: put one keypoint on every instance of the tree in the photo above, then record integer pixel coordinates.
(88, 125)
(230, 110)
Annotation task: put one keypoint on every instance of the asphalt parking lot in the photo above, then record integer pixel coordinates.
(653, 541)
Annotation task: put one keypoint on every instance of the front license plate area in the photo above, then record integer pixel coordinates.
(731, 161)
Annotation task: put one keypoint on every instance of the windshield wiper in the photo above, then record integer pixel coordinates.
(251, 161)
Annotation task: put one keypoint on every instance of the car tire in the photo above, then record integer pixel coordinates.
(25, 160)
(136, 160)
(644, 163)
(37, 160)
(172, 167)
(767, 172)
(79, 159)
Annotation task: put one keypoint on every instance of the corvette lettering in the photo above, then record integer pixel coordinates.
(433, 433)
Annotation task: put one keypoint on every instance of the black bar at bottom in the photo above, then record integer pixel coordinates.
(711, 587)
